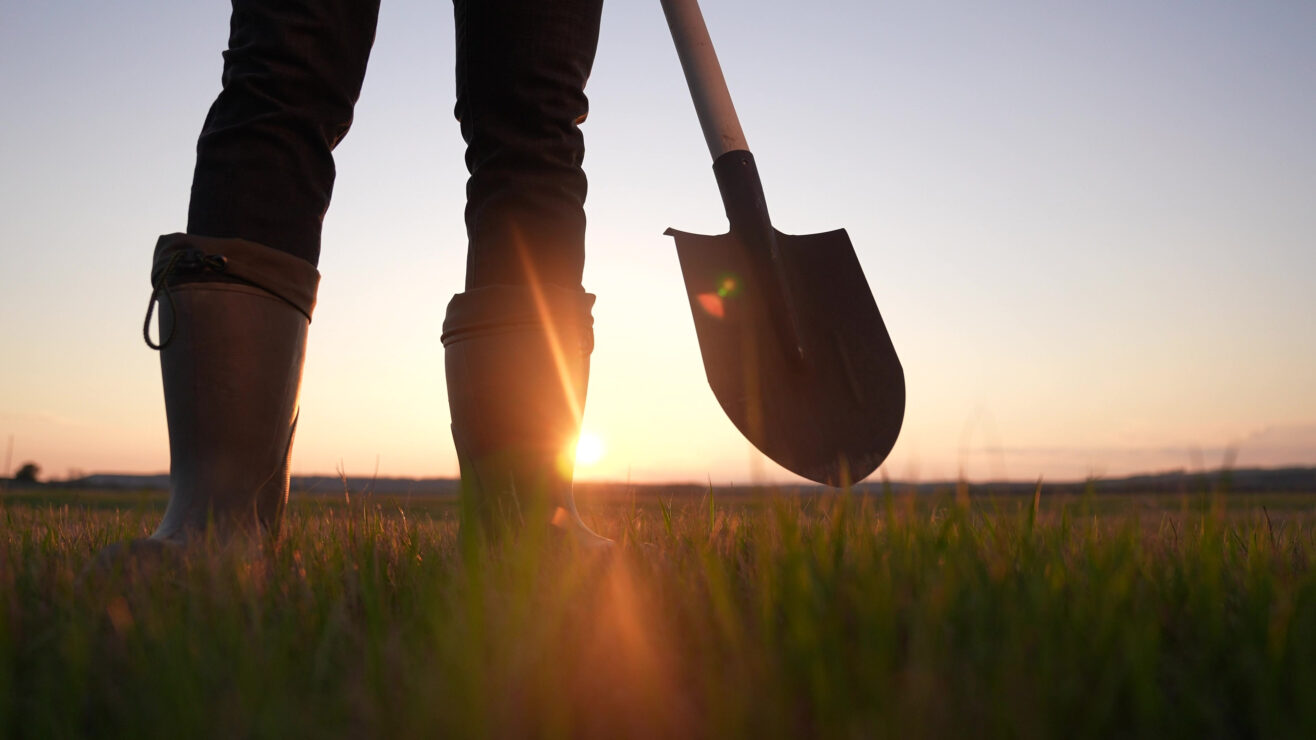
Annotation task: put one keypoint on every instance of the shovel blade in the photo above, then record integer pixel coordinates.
(831, 417)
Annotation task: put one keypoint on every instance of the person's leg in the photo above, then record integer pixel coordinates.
(292, 76)
(521, 72)
(237, 290)
(518, 340)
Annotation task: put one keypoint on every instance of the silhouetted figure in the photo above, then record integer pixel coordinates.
(237, 291)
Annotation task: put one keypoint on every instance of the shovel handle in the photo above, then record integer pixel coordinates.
(733, 164)
(703, 74)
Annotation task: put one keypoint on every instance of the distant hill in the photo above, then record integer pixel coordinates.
(301, 484)
(1243, 480)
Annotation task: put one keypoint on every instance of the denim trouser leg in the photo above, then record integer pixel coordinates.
(292, 74)
(521, 72)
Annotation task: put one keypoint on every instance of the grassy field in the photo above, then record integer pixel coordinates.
(784, 616)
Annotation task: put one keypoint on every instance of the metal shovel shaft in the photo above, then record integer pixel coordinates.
(703, 74)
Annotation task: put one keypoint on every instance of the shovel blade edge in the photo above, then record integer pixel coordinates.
(832, 417)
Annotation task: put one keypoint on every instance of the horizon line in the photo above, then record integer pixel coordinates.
(868, 481)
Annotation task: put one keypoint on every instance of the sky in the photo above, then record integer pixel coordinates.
(1089, 227)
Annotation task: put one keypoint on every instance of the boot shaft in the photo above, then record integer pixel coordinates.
(231, 358)
(517, 366)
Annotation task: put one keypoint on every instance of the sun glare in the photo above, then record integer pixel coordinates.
(589, 449)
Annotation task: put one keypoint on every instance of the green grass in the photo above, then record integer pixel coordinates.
(835, 616)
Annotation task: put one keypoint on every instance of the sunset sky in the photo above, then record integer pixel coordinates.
(1090, 227)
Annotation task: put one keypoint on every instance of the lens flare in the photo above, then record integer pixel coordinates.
(560, 359)
(589, 449)
(712, 305)
(728, 286)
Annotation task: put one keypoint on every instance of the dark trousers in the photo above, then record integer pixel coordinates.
(293, 73)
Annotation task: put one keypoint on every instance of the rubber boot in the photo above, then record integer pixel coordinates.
(517, 365)
(233, 320)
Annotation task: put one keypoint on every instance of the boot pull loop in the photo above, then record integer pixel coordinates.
(194, 259)
(161, 284)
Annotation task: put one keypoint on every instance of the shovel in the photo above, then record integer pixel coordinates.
(793, 344)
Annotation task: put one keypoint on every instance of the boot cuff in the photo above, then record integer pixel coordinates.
(203, 258)
(498, 308)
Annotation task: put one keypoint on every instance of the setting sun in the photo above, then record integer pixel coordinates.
(589, 449)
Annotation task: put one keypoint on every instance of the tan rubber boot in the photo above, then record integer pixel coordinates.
(517, 365)
(233, 320)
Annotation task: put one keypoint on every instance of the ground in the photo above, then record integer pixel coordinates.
(770, 614)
